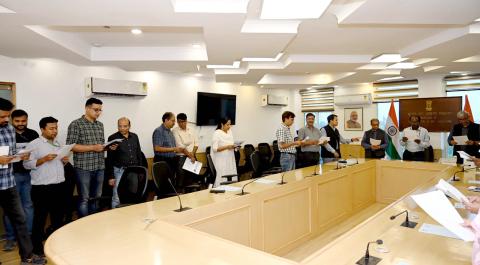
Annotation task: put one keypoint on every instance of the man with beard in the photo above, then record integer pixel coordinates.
(415, 140)
(23, 136)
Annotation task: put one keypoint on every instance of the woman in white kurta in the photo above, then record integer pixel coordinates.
(222, 151)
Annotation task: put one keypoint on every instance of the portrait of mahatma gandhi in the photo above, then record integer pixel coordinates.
(355, 121)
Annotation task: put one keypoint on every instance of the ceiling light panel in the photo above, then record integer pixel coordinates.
(293, 9)
(210, 6)
(251, 59)
(431, 68)
(407, 65)
(388, 58)
(235, 65)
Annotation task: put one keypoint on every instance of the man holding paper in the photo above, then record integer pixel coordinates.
(375, 141)
(9, 198)
(465, 128)
(186, 138)
(331, 150)
(310, 137)
(88, 155)
(23, 136)
(128, 153)
(415, 140)
(48, 181)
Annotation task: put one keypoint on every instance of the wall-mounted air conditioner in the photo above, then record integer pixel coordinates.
(108, 87)
(273, 100)
(359, 99)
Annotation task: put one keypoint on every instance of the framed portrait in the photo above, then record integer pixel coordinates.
(353, 119)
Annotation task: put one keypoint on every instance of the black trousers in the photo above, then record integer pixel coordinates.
(10, 202)
(184, 178)
(414, 156)
(311, 158)
(47, 199)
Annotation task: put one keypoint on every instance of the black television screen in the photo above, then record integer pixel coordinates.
(211, 107)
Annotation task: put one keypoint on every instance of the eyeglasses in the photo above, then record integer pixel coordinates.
(96, 109)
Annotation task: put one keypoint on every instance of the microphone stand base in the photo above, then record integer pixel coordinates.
(182, 209)
(409, 225)
(370, 261)
(244, 193)
(281, 183)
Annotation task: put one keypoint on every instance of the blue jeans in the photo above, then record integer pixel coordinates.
(117, 173)
(24, 188)
(89, 184)
(287, 161)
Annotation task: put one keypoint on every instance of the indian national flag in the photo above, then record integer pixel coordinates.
(391, 127)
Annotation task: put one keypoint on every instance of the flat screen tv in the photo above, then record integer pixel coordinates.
(211, 107)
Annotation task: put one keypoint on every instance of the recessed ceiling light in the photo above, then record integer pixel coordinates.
(293, 9)
(373, 66)
(407, 65)
(196, 46)
(477, 20)
(235, 65)
(459, 72)
(388, 58)
(136, 31)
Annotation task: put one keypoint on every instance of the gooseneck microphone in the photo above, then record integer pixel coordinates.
(463, 170)
(314, 171)
(367, 259)
(407, 222)
(250, 182)
(282, 181)
(181, 209)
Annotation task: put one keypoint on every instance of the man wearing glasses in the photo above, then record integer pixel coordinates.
(471, 130)
(88, 155)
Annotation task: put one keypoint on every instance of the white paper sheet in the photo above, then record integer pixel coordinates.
(411, 135)
(451, 191)
(266, 181)
(464, 155)
(194, 167)
(238, 143)
(228, 188)
(323, 139)
(436, 230)
(375, 142)
(112, 141)
(63, 151)
(436, 204)
(461, 140)
(4, 149)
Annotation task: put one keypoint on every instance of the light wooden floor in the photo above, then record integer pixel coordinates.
(305, 250)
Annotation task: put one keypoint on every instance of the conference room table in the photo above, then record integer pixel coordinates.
(272, 220)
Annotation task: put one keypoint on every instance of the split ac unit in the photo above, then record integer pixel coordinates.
(359, 99)
(108, 87)
(273, 100)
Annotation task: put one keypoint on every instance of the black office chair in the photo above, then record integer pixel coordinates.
(248, 149)
(132, 186)
(211, 167)
(161, 172)
(258, 170)
(429, 154)
(276, 154)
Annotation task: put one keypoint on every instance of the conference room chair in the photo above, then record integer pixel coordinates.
(258, 169)
(276, 154)
(161, 172)
(213, 173)
(429, 154)
(248, 149)
(132, 186)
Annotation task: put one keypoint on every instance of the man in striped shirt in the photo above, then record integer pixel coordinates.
(286, 143)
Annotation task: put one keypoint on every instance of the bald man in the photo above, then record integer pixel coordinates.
(128, 153)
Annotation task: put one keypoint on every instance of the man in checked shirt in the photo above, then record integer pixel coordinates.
(88, 155)
(9, 198)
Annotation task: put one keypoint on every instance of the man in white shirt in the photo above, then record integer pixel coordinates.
(48, 178)
(185, 138)
(415, 140)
